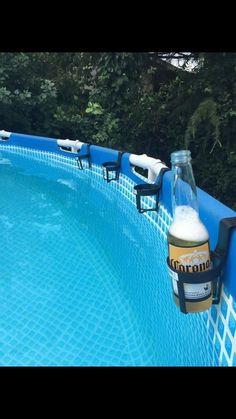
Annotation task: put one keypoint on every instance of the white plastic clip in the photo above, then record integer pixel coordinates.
(4, 134)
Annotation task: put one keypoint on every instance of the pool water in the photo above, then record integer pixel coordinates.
(83, 279)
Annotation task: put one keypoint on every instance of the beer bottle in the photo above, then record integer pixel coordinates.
(188, 238)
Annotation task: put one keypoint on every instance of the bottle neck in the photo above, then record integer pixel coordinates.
(184, 191)
(186, 225)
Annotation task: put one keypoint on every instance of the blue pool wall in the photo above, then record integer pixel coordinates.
(211, 210)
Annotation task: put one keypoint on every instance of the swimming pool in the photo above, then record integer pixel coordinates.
(83, 274)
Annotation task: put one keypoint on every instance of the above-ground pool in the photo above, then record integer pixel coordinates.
(83, 278)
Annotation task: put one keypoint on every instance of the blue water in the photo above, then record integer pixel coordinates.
(83, 279)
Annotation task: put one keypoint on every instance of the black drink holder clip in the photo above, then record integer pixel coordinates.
(214, 275)
(111, 169)
(149, 189)
(85, 156)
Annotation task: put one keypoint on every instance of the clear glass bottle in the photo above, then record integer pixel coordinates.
(188, 238)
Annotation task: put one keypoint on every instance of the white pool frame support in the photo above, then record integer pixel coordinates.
(75, 145)
(4, 134)
(153, 166)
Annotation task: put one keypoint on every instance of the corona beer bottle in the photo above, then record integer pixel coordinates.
(188, 239)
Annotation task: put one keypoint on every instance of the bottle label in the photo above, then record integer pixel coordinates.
(191, 259)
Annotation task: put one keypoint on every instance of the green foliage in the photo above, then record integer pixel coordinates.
(131, 101)
(206, 112)
(94, 108)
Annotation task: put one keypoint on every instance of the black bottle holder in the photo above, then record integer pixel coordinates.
(147, 189)
(86, 156)
(214, 275)
(111, 169)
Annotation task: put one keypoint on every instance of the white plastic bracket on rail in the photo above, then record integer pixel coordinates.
(4, 134)
(74, 145)
(154, 166)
